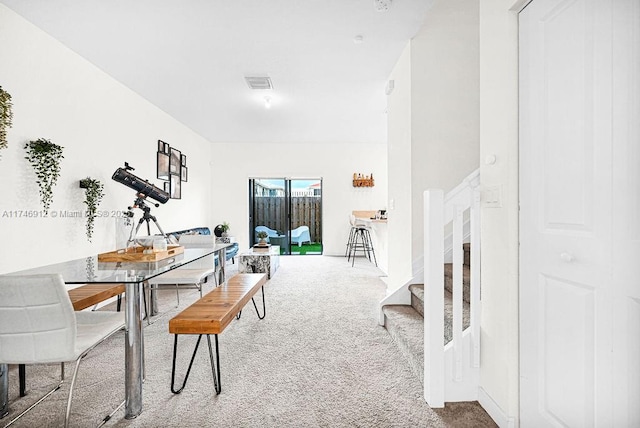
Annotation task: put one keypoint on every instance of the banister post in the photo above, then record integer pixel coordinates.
(457, 295)
(475, 276)
(434, 298)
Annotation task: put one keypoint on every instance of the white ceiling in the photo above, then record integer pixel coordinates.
(190, 58)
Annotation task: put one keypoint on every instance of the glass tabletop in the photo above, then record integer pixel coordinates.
(88, 270)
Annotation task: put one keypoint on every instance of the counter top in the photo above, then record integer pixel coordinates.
(372, 220)
(369, 216)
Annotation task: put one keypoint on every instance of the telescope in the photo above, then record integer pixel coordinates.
(122, 175)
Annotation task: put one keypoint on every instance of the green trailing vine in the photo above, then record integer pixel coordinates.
(6, 117)
(93, 194)
(45, 158)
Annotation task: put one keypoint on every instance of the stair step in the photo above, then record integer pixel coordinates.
(417, 297)
(466, 280)
(448, 316)
(417, 303)
(406, 327)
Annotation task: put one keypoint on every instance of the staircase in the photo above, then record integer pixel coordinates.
(438, 326)
(405, 323)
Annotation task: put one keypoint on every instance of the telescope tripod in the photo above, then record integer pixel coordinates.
(146, 217)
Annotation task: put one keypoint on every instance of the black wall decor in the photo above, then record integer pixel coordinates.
(172, 168)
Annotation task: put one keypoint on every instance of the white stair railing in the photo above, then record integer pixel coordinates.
(451, 371)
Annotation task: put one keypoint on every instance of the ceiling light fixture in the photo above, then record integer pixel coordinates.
(267, 102)
(382, 5)
(358, 39)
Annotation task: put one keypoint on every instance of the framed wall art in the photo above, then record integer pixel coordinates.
(163, 147)
(176, 187)
(175, 162)
(163, 166)
(171, 167)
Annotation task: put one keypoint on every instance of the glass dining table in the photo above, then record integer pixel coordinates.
(134, 275)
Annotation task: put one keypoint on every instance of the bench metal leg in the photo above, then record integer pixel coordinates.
(264, 308)
(173, 369)
(215, 365)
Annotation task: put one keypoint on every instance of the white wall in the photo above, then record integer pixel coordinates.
(399, 160)
(444, 105)
(499, 371)
(433, 130)
(334, 163)
(100, 123)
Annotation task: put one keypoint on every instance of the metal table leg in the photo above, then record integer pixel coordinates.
(222, 256)
(133, 352)
(153, 303)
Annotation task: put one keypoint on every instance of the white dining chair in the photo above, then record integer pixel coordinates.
(39, 326)
(193, 275)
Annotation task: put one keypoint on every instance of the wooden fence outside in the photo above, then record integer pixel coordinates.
(305, 211)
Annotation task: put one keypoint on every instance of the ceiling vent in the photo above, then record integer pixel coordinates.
(259, 82)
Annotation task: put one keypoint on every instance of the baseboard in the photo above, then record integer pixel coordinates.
(496, 413)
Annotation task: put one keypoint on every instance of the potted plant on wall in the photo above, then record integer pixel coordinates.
(93, 194)
(45, 158)
(6, 116)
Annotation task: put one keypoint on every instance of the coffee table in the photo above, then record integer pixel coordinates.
(260, 260)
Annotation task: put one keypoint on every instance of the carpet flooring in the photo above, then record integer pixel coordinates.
(318, 359)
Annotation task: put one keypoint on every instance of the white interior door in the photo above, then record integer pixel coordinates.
(626, 213)
(579, 161)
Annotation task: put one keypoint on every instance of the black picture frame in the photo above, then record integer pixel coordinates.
(183, 173)
(162, 166)
(183, 160)
(174, 162)
(163, 147)
(176, 188)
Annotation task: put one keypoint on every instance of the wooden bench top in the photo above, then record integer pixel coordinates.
(88, 295)
(214, 311)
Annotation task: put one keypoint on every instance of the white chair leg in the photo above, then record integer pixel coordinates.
(57, 387)
(73, 382)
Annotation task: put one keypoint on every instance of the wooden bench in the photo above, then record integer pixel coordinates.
(88, 295)
(211, 314)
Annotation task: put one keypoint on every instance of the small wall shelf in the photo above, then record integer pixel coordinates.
(361, 181)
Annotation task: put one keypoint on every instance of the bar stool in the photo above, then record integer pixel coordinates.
(360, 239)
(352, 231)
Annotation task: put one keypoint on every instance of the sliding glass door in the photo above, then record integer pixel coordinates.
(289, 211)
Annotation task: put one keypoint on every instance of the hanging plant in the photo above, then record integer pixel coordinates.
(93, 195)
(45, 158)
(6, 117)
